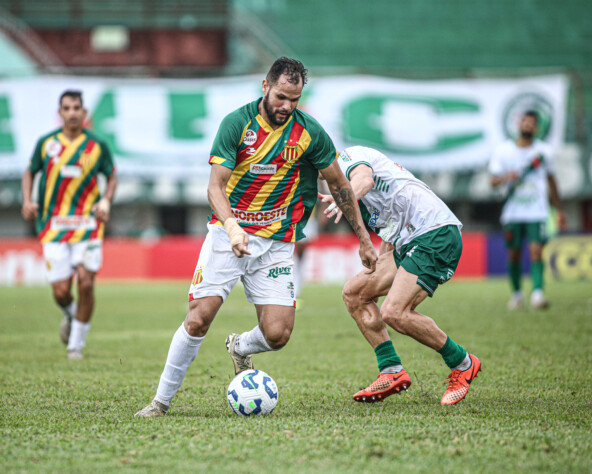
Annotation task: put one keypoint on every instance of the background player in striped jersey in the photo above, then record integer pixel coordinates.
(263, 186)
(70, 213)
(421, 247)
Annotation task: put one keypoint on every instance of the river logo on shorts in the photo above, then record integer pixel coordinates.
(277, 271)
(198, 276)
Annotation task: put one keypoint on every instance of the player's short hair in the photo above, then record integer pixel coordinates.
(292, 68)
(73, 94)
(532, 113)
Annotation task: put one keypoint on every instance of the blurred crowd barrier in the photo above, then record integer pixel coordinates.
(329, 259)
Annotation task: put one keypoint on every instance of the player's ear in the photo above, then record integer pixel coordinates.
(265, 87)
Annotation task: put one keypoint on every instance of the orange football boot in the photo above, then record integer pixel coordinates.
(383, 386)
(459, 382)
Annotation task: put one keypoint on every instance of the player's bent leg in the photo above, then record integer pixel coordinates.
(62, 293)
(81, 322)
(184, 347)
(276, 323)
(398, 311)
(459, 382)
(361, 293)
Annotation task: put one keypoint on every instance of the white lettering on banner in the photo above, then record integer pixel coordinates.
(71, 171)
(262, 169)
(73, 223)
(260, 217)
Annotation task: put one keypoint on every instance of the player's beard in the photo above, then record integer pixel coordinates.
(271, 114)
(526, 134)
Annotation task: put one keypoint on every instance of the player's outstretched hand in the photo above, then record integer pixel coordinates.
(29, 210)
(332, 210)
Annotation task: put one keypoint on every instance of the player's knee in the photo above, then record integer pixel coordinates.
(85, 284)
(355, 296)
(62, 295)
(277, 338)
(395, 316)
(196, 325)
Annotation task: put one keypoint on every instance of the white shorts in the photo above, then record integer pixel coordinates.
(62, 258)
(267, 274)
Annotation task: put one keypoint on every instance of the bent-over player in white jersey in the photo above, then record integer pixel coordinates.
(420, 249)
(526, 169)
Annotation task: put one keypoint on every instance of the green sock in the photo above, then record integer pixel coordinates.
(452, 353)
(515, 272)
(536, 272)
(386, 355)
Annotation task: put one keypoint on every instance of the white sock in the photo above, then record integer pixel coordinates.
(70, 309)
(393, 369)
(78, 333)
(182, 352)
(465, 364)
(252, 342)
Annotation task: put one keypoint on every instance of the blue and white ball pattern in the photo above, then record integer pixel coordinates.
(252, 392)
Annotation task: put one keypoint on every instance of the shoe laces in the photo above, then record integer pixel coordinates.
(453, 380)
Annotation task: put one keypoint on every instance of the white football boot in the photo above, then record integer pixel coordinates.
(241, 363)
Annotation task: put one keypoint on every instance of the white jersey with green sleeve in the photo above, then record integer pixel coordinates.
(399, 207)
(528, 201)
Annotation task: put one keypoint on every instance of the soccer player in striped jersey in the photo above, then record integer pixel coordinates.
(70, 213)
(421, 247)
(263, 186)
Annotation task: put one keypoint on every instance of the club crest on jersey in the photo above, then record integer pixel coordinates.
(53, 148)
(198, 276)
(290, 153)
(250, 138)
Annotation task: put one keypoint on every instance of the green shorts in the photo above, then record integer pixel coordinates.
(514, 233)
(432, 256)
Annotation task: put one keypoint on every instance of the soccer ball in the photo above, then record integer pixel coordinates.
(252, 392)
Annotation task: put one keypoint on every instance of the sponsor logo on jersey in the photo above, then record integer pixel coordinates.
(250, 138)
(250, 151)
(263, 169)
(374, 218)
(61, 223)
(277, 271)
(410, 228)
(53, 148)
(71, 171)
(260, 217)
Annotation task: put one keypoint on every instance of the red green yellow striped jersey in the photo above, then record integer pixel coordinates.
(68, 187)
(273, 186)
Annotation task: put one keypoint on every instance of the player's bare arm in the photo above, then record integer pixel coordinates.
(102, 209)
(218, 199)
(29, 208)
(556, 202)
(346, 201)
(505, 178)
(361, 181)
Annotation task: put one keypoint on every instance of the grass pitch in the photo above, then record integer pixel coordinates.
(529, 409)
